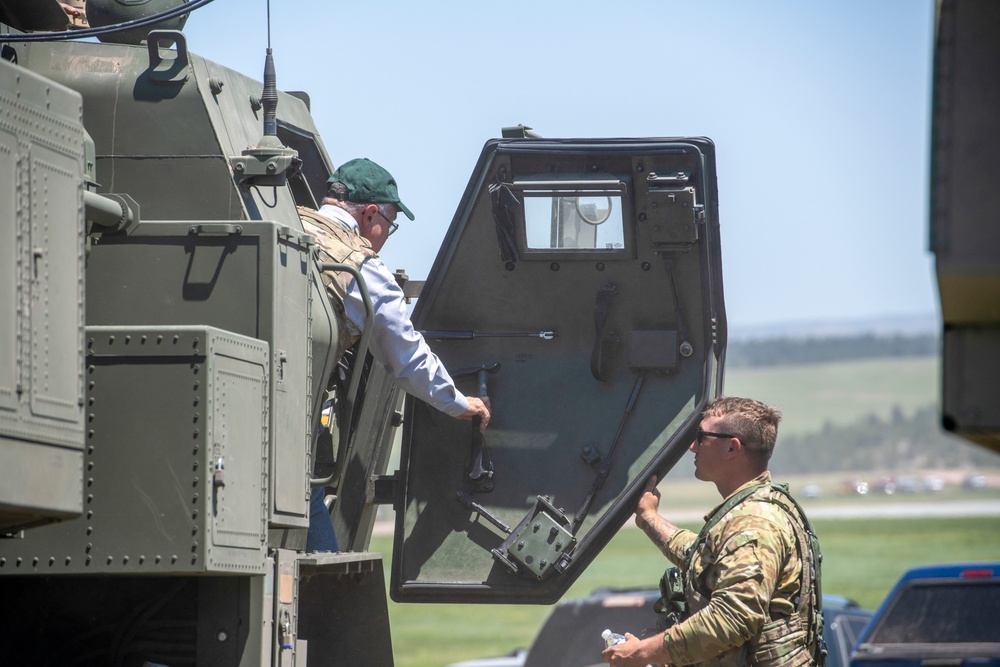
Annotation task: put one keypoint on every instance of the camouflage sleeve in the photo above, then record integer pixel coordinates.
(678, 544)
(748, 562)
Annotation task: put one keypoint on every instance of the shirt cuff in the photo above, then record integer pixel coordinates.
(457, 407)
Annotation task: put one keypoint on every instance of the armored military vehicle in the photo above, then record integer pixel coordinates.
(965, 215)
(168, 350)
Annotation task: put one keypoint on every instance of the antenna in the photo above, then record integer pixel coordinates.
(270, 162)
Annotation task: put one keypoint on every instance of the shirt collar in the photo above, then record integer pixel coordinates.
(763, 478)
(340, 215)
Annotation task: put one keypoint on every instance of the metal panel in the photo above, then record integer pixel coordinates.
(251, 278)
(588, 414)
(356, 581)
(55, 369)
(10, 246)
(41, 299)
(965, 213)
(165, 405)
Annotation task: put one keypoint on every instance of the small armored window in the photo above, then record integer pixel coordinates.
(574, 216)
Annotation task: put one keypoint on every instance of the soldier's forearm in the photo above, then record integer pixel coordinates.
(658, 529)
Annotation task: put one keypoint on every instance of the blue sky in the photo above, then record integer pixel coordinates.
(820, 113)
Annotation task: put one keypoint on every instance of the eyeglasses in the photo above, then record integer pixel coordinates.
(393, 225)
(701, 435)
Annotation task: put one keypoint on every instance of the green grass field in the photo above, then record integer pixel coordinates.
(862, 559)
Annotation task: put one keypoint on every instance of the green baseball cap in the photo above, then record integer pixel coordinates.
(368, 183)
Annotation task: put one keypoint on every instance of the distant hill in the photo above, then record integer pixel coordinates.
(902, 441)
(826, 349)
(887, 325)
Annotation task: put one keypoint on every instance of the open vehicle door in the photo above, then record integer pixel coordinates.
(580, 286)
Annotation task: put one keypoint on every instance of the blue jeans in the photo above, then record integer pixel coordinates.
(321, 536)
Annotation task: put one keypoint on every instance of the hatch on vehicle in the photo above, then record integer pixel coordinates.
(580, 283)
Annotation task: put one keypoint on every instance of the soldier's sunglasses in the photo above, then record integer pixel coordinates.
(701, 435)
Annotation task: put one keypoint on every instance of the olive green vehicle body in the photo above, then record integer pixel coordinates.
(167, 348)
(965, 215)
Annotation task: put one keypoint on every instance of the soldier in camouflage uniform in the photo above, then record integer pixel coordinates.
(748, 582)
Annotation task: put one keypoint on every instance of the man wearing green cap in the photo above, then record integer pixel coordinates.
(356, 218)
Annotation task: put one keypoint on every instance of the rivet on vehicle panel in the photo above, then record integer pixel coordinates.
(642, 217)
(553, 531)
(110, 559)
(87, 562)
(128, 339)
(34, 561)
(222, 636)
(510, 266)
(158, 558)
(536, 527)
(90, 530)
(599, 266)
(558, 546)
(18, 561)
(542, 563)
(142, 559)
(90, 514)
(124, 560)
(69, 559)
(645, 266)
(554, 266)
(173, 559)
(520, 545)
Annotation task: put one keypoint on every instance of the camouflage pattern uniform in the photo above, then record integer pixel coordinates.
(742, 588)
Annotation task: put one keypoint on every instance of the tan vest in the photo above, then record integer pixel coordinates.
(343, 247)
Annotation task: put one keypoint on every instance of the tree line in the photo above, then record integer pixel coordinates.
(787, 351)
(898, 442)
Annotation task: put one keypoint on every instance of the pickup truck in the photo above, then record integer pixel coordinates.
(936, 615)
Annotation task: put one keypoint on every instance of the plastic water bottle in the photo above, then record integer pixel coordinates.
(611, 638)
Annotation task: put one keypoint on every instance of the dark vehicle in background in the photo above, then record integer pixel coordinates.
(936, 614)
(571, 635)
